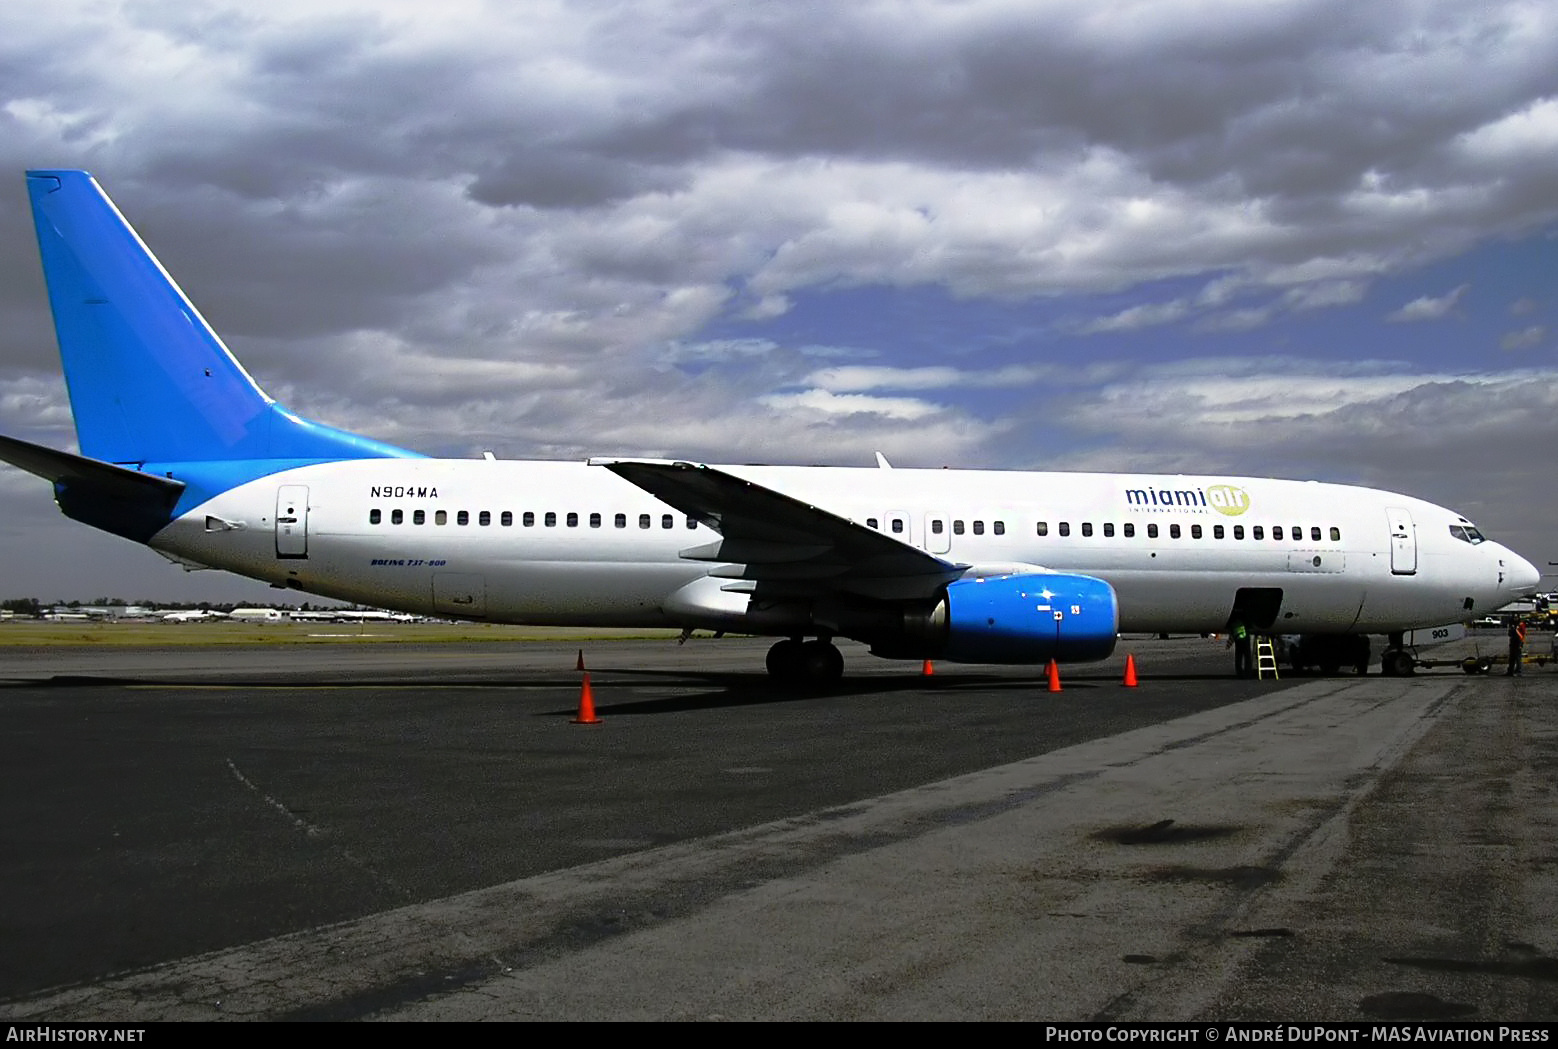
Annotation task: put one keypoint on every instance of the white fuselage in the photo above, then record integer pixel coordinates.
(570, 543)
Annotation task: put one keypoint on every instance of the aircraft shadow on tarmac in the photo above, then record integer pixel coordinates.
(738, 689)
(712, 690)
(705, 690)
(726, 689)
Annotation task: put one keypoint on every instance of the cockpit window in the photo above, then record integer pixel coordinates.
(1467, 533)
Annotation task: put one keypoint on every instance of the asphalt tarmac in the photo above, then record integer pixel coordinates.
(421, 831)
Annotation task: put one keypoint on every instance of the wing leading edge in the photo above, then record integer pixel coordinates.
(778, 544)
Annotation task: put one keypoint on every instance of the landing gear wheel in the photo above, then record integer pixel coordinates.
(821, 663)
(814, 664)
(1397, 663)
(784, 660)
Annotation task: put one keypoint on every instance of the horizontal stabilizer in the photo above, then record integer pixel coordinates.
(64, 468)
(118, 500)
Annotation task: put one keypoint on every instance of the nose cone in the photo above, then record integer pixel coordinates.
(1520, 575)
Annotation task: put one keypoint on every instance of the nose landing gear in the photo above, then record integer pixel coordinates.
(1396, 661)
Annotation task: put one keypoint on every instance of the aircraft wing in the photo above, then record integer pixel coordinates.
(784, 545)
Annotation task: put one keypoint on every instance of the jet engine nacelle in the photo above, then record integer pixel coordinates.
(1030, 618)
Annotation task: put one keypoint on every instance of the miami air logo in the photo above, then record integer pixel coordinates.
(1228, 499)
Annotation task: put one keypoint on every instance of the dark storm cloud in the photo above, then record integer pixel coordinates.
(1312, 116)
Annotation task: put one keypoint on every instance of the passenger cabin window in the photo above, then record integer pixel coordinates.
(1152, 531)
(463, 517)
(1043, 528)
(507, 520)
(1195, 531)
(621, 520)
(957, 527)
(1257, 532)
(373, 516)
(595, 520)
(1173, 531)
(937, 526)
(484, 518)
(573, 520)
(441, 517)
(871, 523)
(419, 517)
(1336, 535)
(979, 528)
(550, 520)
(397, 516)
(999, 527)
(897, 525)
(1217, 531)
(1314, 534)
(1129, 529)
(1276, 531)
(643, 520)
(1238, 531)
(1087, 528)
(1065, 528)
(1108, 529)
(667, 521)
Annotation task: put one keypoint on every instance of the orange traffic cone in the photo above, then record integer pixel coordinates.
(586, 715)
(580, 664)
(1053, 673)
(1130, 670)
(927, 670)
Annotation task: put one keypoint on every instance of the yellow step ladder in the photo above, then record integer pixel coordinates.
(1265, 658)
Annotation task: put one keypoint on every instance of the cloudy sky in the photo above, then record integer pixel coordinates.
(1315, 238)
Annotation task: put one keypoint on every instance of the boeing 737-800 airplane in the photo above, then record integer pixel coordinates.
(182, 451)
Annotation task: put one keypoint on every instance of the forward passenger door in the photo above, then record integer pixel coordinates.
(1403, 541)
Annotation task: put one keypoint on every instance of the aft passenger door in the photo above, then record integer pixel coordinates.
(1403, 541)
(292, 520)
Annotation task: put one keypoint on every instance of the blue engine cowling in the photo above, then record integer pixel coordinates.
(1030, 618)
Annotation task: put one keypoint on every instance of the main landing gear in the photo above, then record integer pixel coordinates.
(814, 664)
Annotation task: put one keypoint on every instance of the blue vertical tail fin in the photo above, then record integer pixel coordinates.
(149, 380)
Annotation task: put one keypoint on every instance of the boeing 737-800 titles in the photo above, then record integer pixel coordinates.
(182, 451)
